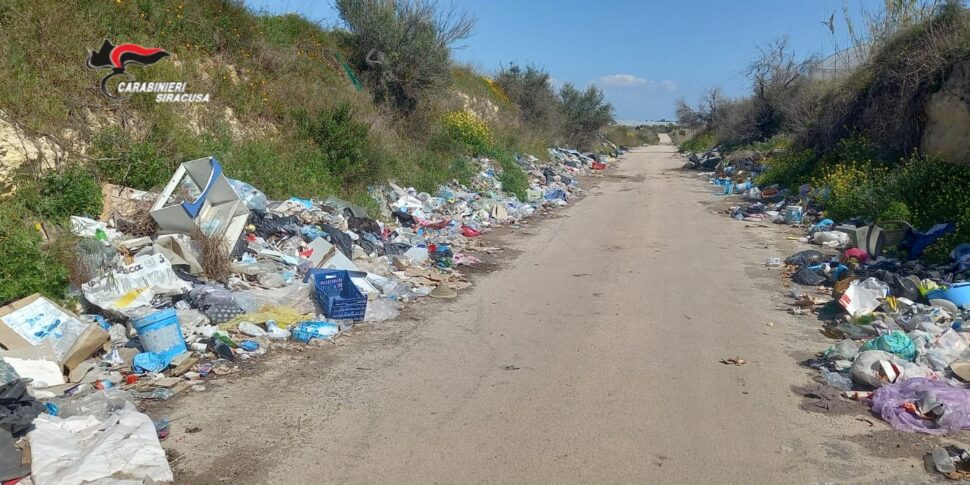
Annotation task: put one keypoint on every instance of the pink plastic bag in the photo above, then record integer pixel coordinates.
(888, 402)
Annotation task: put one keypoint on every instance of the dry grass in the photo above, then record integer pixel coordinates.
(215, 258)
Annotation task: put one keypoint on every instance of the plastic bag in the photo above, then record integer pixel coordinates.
(135, 284)
(831, 238)
(17, 407)
(379, 310)
(951, 345)
(895, 342)
(844, 350)
(296, 296)
(149, 362)
(85, 449)
(808, 277)
(282, 315)
(805, 258)
(862, 298)
(253, 197)
(888, 402)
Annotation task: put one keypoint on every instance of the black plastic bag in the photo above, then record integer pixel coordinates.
(808, 277)
(364, 224)
(17, 408)
(270, 225)
(343, 242)
(805, 258)
(404, 218)
(899, 286)
(396, 249)
(371, 247)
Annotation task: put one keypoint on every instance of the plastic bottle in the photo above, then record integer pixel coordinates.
(943, 462)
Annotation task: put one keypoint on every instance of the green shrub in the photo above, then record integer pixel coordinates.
(464, 128)
(855, 189)
(402, 48)
(896, 211)
(921, 191)
(343, 145)
(27, 265)
(514, 180)
(788, 169)
(699, 142)
(124, 161)
(70, 192)
(586, 113)
(532, 91)
(934, 191)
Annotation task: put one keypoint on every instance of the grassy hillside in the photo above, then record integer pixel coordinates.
(295, 109)
(856, 139)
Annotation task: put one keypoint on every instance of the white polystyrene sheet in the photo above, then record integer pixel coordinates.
(44, 373)
(121, 450)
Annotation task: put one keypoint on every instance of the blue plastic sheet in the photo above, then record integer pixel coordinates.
(146, 362)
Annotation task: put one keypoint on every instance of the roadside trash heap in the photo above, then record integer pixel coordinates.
(900, 324)
(901, 329)
(183, 284)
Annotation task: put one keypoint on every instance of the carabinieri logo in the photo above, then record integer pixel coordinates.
(117, 58)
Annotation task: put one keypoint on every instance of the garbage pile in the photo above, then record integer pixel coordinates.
(902, 345)
(177, 287)
(901, 324)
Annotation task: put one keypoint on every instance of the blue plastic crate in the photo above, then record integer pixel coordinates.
(337, 295)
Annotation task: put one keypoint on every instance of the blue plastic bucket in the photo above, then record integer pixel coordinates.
(160, 333)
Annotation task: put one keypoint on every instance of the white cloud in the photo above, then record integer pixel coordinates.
(622, 80)
(668, 85)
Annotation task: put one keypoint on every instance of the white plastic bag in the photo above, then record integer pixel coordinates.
(831, 238)
(862, 298)
(122, 449)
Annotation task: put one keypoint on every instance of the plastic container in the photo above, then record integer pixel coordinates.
(160, 333)
(958, 294)
(793, 214)
(337, 295)
(306, 331)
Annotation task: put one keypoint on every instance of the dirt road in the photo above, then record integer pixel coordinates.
(591, 357)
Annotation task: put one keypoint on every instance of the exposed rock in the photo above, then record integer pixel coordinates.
(948, 118)
(16, 148)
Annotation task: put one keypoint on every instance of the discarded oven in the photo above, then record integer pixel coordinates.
(216, 211)
(337, 295)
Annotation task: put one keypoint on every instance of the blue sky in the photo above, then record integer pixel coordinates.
(644, 54)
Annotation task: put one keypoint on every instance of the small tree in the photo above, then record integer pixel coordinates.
(531, 90)
(777, 78)
(586, 112)
(403, 47)
(705, 115)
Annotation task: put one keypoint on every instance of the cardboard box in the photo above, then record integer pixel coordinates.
(77, 341)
